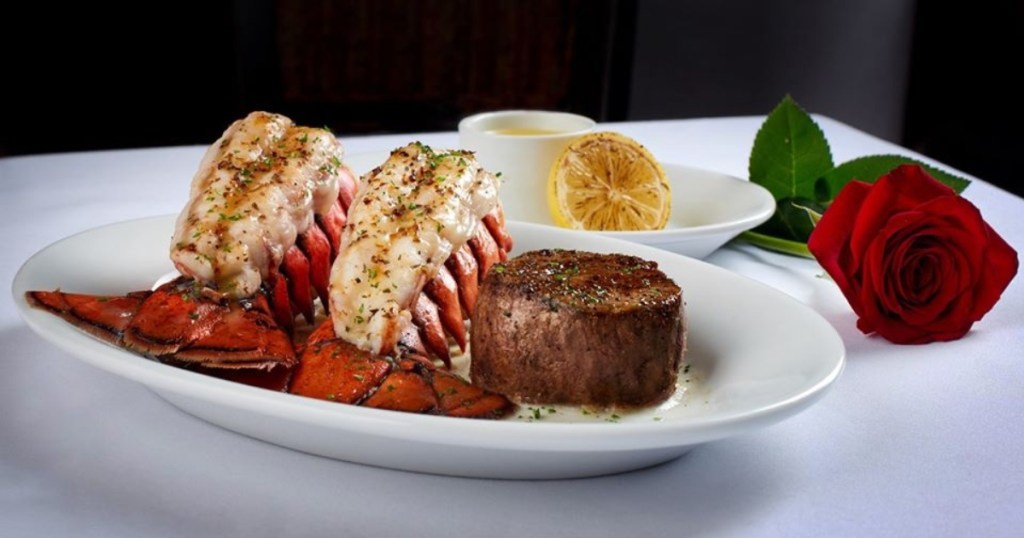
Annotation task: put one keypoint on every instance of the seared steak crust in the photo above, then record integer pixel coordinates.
(569, 327)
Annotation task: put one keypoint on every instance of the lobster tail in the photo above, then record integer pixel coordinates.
(439, 312)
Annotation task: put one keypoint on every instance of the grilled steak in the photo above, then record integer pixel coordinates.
(569, 327)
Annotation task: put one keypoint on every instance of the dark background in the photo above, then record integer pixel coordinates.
(932, 76)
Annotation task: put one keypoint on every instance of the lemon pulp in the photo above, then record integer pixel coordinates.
(608, 181)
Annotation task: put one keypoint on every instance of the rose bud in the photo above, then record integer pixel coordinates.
(916, 262)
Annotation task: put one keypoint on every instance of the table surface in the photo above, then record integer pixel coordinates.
(911, 441)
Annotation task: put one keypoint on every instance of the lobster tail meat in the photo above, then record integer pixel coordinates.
(408, 216)
(266, 211)
(258, 188)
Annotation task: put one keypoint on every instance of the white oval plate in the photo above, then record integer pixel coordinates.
(708, 208)
(757, 357)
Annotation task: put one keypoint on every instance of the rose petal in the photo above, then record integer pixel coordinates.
(873, 311)
(914, 182)
(961, 224)
(889, 306)
(829, 242)
(1000, 265)
(931, 232)
(905, 187)
(875, 211)
(924, 309)
(993, 262)
(922, 273)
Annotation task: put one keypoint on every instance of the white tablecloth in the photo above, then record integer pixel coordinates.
(911, 441)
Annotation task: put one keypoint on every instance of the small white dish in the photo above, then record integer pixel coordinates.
(708, 208)
(522, 145)
(757, 356)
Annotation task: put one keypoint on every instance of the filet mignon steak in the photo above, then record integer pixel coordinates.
(571, 327)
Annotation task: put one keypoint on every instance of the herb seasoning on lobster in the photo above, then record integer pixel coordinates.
(271, 209)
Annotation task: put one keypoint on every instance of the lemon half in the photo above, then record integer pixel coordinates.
(608, 181)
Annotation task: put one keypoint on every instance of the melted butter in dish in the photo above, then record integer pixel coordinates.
(257, 188)
(407, 218)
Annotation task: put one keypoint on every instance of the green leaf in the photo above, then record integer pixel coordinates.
(784, 246)
(871, 167)
(790, 153)
(791, 158)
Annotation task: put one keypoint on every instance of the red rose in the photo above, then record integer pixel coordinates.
(916, 261)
